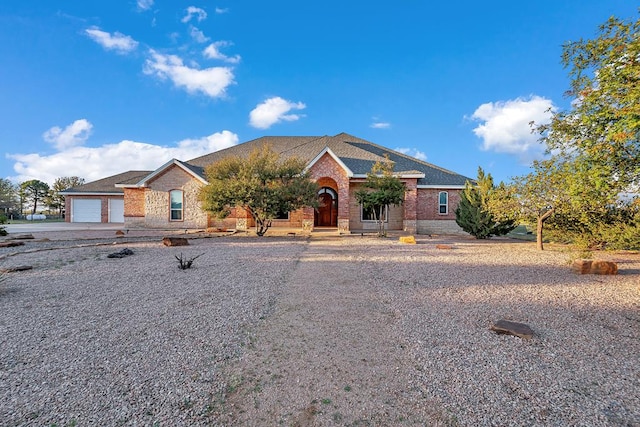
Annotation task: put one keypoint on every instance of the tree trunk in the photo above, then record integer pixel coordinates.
(541, 219)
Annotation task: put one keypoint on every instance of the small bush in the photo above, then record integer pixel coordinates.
(184, 263)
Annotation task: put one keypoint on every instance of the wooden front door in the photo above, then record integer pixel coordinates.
(327, 213)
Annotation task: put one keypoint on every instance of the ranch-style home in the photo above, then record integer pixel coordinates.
(167, 198)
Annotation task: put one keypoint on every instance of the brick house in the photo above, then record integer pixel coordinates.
(167, 198)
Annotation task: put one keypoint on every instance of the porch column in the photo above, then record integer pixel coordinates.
(308, 215)
(343, 208)
(410, 220)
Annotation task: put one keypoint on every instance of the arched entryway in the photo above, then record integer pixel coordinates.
(327, 213)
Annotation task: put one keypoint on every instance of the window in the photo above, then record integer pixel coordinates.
(282, 215)
(369, 215)
(443, 203)
(176, 197)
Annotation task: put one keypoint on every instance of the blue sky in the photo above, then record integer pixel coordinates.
(96, 88)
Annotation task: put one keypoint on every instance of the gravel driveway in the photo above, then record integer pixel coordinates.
(314, 332)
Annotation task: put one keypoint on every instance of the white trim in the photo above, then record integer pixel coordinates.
(89, 193)
(143, 182)
(333, 155)
(402, 176)
(443, 187)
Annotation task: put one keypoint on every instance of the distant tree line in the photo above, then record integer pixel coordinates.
(34, 196)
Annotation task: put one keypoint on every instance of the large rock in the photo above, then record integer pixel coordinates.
(445, 247)
(521, 330)
(604, 267)
(14, 269)
(587, 266)
(411, 240)
(175, 241)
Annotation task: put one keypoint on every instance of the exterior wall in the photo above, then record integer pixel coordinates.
(328, 167)
(104, 206)
(396, 213)
(429, 220)
(156, 201)
(134, 207)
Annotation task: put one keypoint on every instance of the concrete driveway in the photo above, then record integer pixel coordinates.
(37, 227)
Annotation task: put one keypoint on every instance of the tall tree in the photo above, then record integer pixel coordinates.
(473, 213)
(54, 199)
(263, 184)
(34, 192)
(8, 196)
(603, 124)
(381, 190)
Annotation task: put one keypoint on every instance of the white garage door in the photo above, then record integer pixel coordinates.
(85, 210)
(116, 210)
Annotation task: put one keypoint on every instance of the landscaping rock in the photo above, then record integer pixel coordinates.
(14, 269)
(411, 240)
(582, 266)
(446, 247)
(22, 237)
(123, 253)
(175, 241)
(604, 267)
(119, 233)
(587, 266)
(10, 244)
(521, 330)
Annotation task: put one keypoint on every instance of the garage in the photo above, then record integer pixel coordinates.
(86, 210)
(116, 210)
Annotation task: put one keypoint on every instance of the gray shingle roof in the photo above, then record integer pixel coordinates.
(357, 154)
(108, 184)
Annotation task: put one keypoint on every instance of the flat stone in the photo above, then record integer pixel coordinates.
(175, 241)
(22, 237)
(10, 244)
(123, 253)
(446, 247)
(14, 269)
(411, 240)
(521, 330)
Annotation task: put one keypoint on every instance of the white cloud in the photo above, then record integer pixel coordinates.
(213, 52)
(74, 134)
(212, 82)
(198, 35)
(192, 11)
(505, 125)
(274, 110)
(116, 41)
(94, 163)
(220, 10)
(413, 153)
(380, 125)
(145, 4)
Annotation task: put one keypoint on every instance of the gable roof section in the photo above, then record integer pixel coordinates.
(355, 155)
(195, 171)
(106, 186)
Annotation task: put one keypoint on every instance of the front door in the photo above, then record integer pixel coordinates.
(327, 213)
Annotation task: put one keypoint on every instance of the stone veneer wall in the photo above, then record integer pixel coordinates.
(156, 200)
(431, 226)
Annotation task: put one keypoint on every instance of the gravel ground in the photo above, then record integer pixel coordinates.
(320, 331)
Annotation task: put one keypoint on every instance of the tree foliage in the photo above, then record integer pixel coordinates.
(381, 190)
(263, 184)
(603, 124)
(8, 196)
(594, 146)
(54, 199)
(473, 213)
(34, 191)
